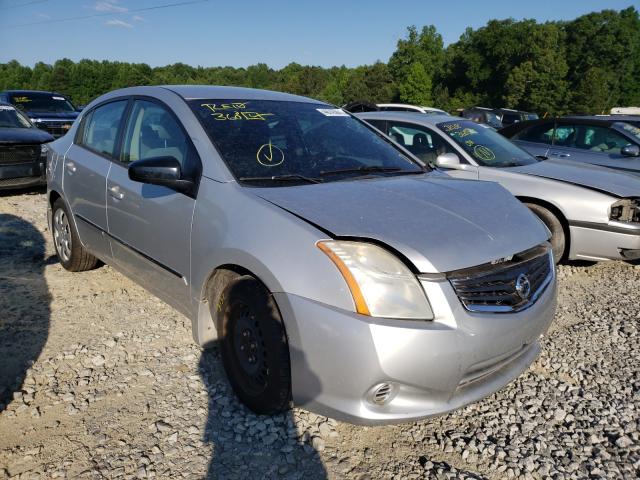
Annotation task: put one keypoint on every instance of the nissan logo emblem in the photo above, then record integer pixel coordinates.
(523, 286)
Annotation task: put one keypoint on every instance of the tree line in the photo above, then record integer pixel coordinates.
(586, 65)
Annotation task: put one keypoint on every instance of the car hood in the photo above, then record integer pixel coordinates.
(52, 116)
(590, 176)
(438, 223)
(24, 135)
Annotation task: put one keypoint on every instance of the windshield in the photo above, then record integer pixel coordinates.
(42, 102)
(269, 141)
(630, 128)
(11, 118)
(485, 145)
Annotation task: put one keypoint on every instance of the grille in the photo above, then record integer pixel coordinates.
(18, 154)
(56, 128)
(509, 286)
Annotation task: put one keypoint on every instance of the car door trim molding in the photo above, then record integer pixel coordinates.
(607, 227)
(130, 247)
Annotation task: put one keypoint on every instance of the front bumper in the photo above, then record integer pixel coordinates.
(612, 241)
(338, 358)
(22, 175)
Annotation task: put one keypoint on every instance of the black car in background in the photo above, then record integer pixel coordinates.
(23, 150)
(48, 111)
(509, 116)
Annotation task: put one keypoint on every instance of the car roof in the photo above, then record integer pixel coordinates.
(198, 92)
(414, 117)
(607, 118)
(33, 91)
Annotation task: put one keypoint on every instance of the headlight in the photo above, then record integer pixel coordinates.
(380, 284)
(44, 149)
(626, 210)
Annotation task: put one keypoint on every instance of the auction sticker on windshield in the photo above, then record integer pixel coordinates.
(332, 112)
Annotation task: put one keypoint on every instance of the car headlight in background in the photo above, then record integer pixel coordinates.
(44, 149)
(626, 210)
(380, 284)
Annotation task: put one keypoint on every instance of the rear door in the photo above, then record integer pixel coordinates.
(150, 225)
(86, 166)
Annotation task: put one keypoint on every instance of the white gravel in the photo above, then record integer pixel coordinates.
(98, 379)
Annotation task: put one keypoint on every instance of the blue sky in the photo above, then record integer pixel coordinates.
(240, 33)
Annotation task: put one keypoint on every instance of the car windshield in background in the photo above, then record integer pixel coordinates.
(42, 102)
(629, 128)
(11, 118)
(485, 145)
(270, 142)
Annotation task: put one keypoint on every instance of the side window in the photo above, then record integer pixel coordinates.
(537, 133)
(101, 128)
(153, 131)
(422, 142)
(379, 124)
(565, 135)
(602, 139)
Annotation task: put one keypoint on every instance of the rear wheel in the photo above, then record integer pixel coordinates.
(71, 253)
(254, 348)
(558, 237)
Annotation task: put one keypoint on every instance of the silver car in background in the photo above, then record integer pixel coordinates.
(332, 269)
(592, 212)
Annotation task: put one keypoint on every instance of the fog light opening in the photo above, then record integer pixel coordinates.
(382, 393)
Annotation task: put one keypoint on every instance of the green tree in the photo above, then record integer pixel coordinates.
(416, 87)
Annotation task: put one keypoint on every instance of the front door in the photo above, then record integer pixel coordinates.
(150, 225)
(86, 166)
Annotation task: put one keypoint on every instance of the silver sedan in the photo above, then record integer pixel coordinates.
(592, 212)
(332, 268)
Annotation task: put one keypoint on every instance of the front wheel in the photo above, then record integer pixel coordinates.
(71, 253)
(558, 237)
(254, 347)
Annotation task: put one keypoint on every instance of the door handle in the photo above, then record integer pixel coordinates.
(116, 193)
(71, 167)
(560, 154)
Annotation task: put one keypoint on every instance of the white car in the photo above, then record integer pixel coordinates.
(402, 107)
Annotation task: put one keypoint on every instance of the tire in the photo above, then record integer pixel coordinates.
(558, 236)
(71, 253)
(254, 347)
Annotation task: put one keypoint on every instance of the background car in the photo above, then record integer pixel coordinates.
(403, 107)
(49, 111)
(592, 212)
(608, 142)
(509, 116)
(482, 115)
(23, 150)
(331, 266)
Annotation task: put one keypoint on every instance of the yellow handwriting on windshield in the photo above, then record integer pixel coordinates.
(216, 107)
(270, 155)
(21, 99)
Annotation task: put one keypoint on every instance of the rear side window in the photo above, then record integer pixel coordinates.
(537, 134)
(100, 130)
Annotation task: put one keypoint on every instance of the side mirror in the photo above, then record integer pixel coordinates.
(447, 160)
(163, 171)
(79, 108)
(630, 150)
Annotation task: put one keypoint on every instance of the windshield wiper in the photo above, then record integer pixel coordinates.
(282, 178)
(368, 169)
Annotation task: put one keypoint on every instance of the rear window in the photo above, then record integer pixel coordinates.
(261, 138)
(42, 102)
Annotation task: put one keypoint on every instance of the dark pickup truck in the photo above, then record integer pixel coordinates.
(23, 150)
(49, 111)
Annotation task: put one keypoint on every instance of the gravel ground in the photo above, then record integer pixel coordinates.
(98, 379)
